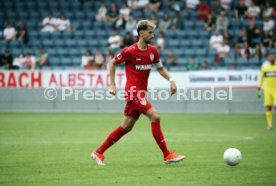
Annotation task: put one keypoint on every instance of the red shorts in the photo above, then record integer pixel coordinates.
(136, 107)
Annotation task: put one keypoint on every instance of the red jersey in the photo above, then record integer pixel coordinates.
(138, 64)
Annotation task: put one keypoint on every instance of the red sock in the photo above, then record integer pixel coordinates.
(159, 138)
(113, 137)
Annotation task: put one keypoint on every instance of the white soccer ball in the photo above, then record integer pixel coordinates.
(232, 156)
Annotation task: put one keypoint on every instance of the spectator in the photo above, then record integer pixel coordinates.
(160, 43)
(114, 42)
(63, 23)
(192, 4)
(119, 23)
(216, 8)
(131, 23)
(138, 4)
(112, 13)
(6, 60)
(30, 61)
(22, 34)
(166, 22)
(253, 34)
(154, 5)
(223, 50)
(127, 40)
(19, 61)
(9, 32)
(108, 58)
(268, 10)
(243, 37)
(99, 60)
(228, 39)
(240, 10)
(215, 40)
(266, 40)
(245, 51)
(174, 6)
(176, 22)
(253, 11)
(204, 65)
(203, 11)
(49, 24)
(124, 11)
(153, 19)
(225, 4)
(268, 25)
(101, 15)
(170, 60)
(192, 65)
(210, 22)
(222, 22)
(87, 59)
(41, 58)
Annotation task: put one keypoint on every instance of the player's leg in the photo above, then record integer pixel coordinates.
(268, 102)
(269, 117)
(157, 133)
(126, 126)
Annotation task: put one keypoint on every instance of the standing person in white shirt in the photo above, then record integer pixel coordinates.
(268, 25)
(114, 42)
(223, 50)
(192, 4)
(215, 40)
(9, 32)
(102, 12)
(225, 4)
(124, 11)
(253, 11)
(63, 23)
(49, 24)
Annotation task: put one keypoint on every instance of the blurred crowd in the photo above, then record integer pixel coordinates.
(254, 40)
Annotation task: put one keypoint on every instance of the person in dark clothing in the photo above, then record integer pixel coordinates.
(6, 60)
(22, 33)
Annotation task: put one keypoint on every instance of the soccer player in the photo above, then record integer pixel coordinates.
(138, 59)
(268, 76)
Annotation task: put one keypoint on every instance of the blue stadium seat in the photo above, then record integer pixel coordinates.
(189, 52)
(52, 52)
(47, 42)
(173, 42)
(74, 52)
(65, 61)
(82, 42)
(200, 52)
(53, 60)
(62, 52)
(76, 60)
(70, 42)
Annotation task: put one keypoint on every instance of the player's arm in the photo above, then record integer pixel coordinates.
(165, 74)
(259, 93)
(112, 70)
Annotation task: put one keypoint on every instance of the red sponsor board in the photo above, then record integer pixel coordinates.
(59, 79)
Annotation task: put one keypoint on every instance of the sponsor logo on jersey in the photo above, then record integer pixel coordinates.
(270, 74)
(138, 59)
(151, 57)
(142, 67)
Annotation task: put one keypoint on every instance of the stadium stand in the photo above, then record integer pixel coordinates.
(191, 40)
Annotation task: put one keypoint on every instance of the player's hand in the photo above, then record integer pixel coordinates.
(259, 93)
(112, 89)
(173, 88)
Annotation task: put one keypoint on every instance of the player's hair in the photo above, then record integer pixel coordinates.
(143, 25)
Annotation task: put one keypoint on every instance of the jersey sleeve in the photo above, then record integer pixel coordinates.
(122, 56)
(157, 62)
(261, 78)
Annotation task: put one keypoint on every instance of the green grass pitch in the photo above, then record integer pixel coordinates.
(54, 149)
